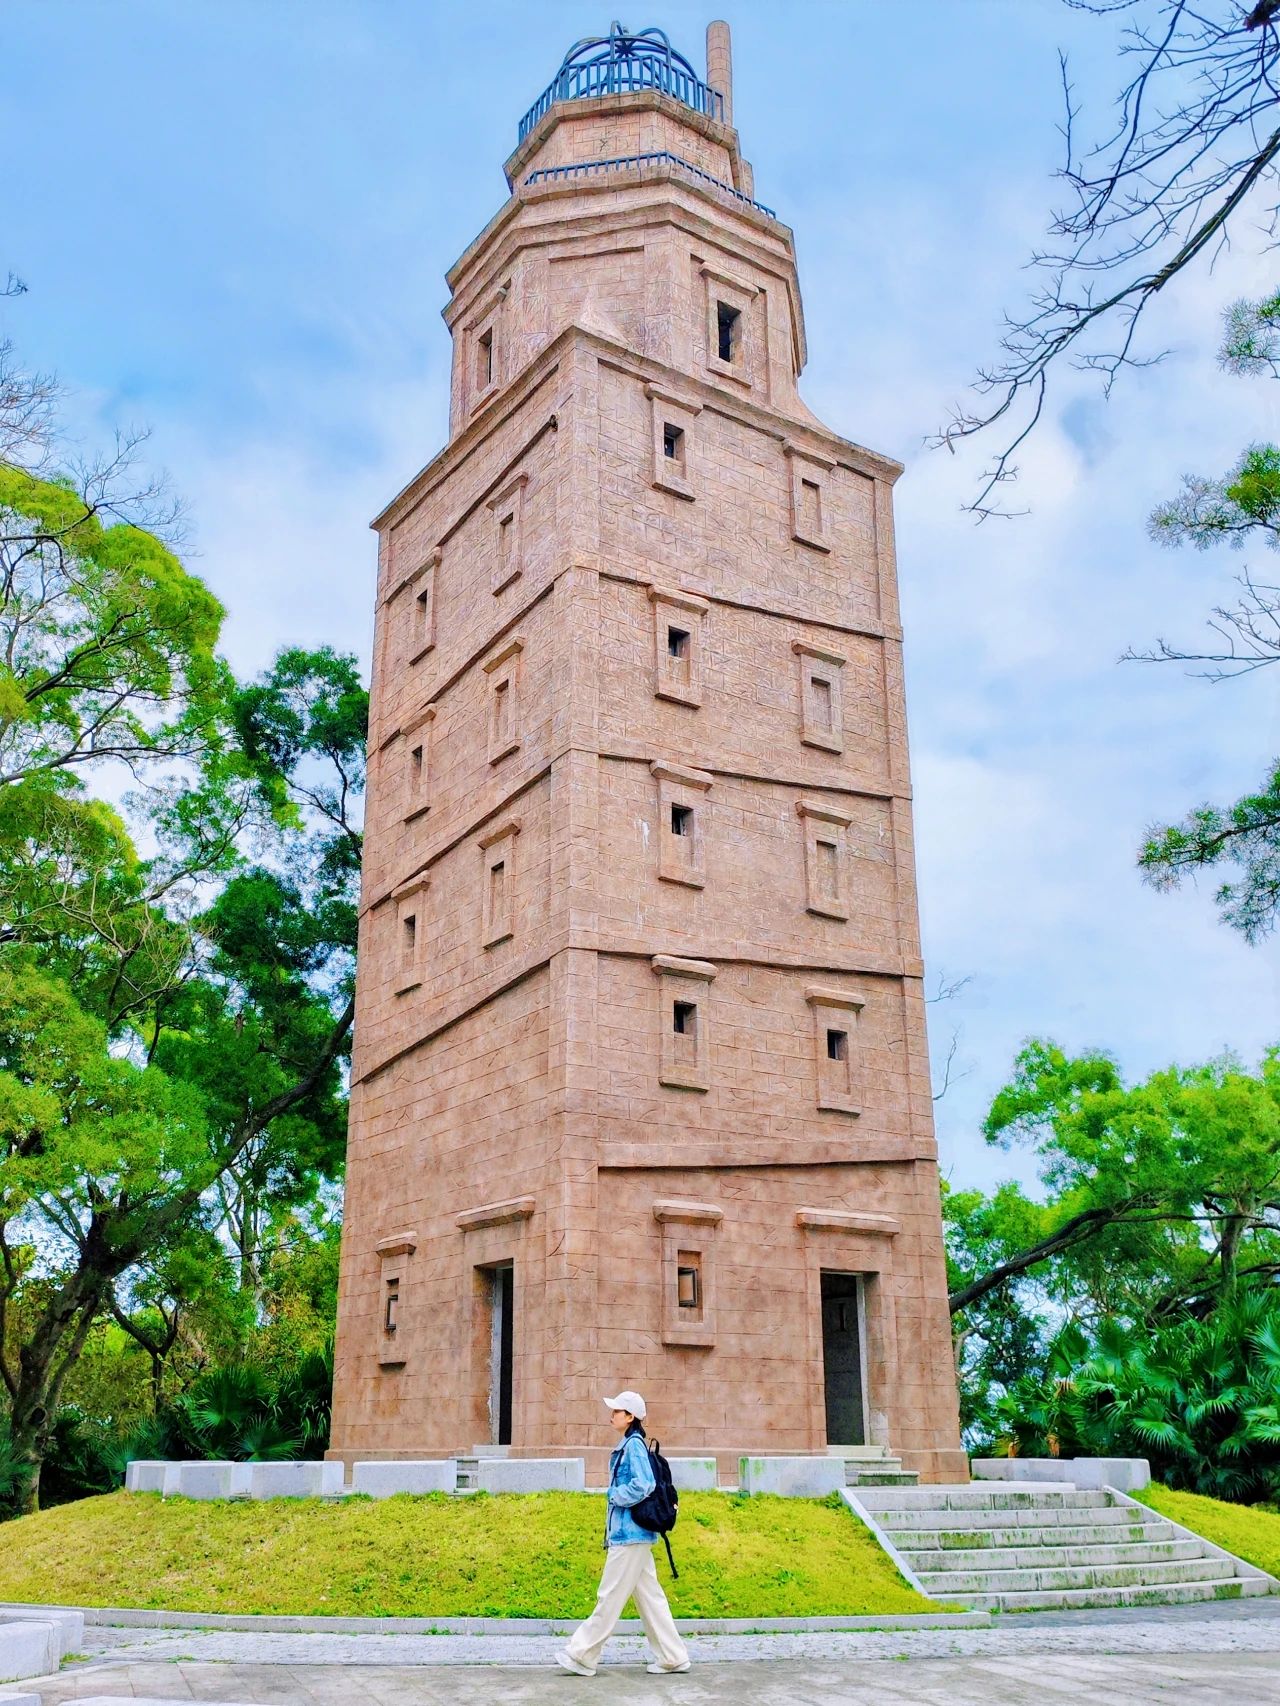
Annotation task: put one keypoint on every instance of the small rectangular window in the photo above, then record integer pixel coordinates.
(498, 890)
(811, 509)
(408, 941)
(728, 332)
(678, 643)
(415, 771)
(682, 820)
(391, 1308)
(484, 359)
(422, 616)
(673, 443)
(502, 713)
(689, 1280)
(684, 1018)
(837, 1045)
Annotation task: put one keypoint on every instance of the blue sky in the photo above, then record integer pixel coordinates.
(234, 217)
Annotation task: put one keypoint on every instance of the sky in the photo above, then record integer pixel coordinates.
(234, 217)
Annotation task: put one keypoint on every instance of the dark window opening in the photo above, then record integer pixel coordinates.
(415, 759)
(677, 642)
(828, 869)
(728, 332)
(502, 711)
(688, 1285)
(673, 443)
(497, 892)
(506, 539)
(484, 358)
(837, 1045)
(682, 820)
(424, 612)
(392, 1306)
(684, 1018)
(409, 942)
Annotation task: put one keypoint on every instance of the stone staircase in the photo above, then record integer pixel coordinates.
(873, 1466)
(1050, 1546)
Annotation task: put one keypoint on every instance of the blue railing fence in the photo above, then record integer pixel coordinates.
(621, 76)
(589, 168)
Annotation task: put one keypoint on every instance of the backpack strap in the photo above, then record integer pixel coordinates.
(666, 1541)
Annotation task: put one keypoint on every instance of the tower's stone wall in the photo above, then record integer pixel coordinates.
(639, 982)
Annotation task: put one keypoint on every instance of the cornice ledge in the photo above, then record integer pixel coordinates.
(495, 1214)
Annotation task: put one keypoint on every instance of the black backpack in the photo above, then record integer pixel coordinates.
(657, 1511)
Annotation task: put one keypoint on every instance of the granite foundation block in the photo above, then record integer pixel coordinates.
(384, 1480)
(792, 1477)
(694, 1474)
(211, 1480)
(530, 1475)
(295, 1480)
(151, 1477)
(1126, 1474)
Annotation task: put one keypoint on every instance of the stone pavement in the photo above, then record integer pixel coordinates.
(1206, 1654)
(1201, 1679)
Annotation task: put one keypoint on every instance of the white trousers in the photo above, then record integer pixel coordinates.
(629, 1574)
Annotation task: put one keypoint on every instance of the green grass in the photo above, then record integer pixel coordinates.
(1252, 1532)
(532, 1555)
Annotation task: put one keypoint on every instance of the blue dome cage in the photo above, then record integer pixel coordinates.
(620, 63)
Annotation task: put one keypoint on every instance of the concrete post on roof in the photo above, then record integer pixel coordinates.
(720, 64)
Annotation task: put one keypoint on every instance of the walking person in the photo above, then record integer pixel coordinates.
(629, 1572)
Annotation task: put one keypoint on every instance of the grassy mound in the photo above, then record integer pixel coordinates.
(1252, 1532)
(531, 1555)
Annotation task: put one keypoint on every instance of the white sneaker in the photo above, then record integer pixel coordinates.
(655, 1669)
(566, 1662)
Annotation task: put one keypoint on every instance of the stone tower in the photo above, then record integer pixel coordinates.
(640, 1095)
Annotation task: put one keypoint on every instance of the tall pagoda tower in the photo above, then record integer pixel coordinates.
(640, 1095)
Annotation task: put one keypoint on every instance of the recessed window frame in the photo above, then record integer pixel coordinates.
(684, 1056)
(808, 470)
(671, 413)
(682, 858)
(728, 294)
(484, 356)
(498, 849)
(825, 826)
(507, 509)
(688, 1231)
(678, 678)
(416, 783)
(503, 712)
(410, 606)
(818, 663)
(410, 928)
(395, 1257)
(838, 1080)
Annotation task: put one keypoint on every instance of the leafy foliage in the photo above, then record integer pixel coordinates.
(1199, 1398)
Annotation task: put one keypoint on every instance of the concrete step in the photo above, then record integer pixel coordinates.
(1100, 1557)
(886, 1473)
(990, 1497)
(1032, 1517)
(1083, 1599)
(942, 1584)
(468, 1472)
(967, 1538)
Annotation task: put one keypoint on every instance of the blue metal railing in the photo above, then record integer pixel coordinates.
(588, 168)
(622, 76)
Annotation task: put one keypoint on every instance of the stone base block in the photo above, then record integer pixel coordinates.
(383, 1480)
(1126, 1474)
(694, 1474)
(29, 1649)
(211, 1480)
(148, 1476)
(530, 1475)
(792, 1477)
(294, 1480)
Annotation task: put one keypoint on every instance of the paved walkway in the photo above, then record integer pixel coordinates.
(1102, 1680)
(1211, 1654)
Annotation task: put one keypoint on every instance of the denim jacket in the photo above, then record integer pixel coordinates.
(630, 1480)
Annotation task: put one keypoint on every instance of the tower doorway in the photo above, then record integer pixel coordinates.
(842, 1359)
(502, 1311)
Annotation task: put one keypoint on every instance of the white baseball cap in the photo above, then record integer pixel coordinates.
(631, 1402)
